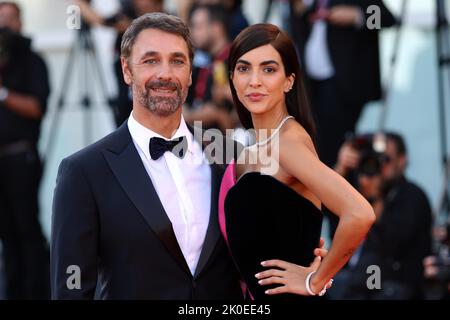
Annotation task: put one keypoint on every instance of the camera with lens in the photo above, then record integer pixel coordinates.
(437, 266)
(371, 148)
(442, 258)
(442, 263)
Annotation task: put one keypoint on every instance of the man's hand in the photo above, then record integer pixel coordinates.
(430, 268)
(89, 15)
(348, 159)
(122, 24)
(344, 15)
(24, 105)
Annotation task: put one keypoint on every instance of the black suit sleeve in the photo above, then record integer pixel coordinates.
(74, 240)
(401, 231)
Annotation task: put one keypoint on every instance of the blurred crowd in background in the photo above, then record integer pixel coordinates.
(341, 64)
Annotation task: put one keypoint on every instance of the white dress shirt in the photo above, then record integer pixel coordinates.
(318, 63)
(182, 185)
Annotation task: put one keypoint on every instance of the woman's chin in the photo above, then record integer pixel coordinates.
(255, 108)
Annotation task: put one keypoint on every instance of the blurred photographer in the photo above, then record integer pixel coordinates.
(129, 10)
(209, 98)
(401, 236)
(24, 89)
(437, 267)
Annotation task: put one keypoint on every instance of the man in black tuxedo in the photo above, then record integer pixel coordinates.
(141, 221)
(338, 42)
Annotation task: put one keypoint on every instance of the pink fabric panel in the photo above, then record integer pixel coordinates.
(228, 181)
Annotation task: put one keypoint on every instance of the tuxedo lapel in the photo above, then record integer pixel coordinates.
(129, 170)
(212, 233)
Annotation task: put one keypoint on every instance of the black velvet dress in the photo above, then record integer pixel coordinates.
(266, 219)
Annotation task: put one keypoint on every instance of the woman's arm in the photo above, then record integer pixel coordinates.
(356, 216)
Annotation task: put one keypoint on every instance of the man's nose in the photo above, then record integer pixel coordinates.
(165, 71)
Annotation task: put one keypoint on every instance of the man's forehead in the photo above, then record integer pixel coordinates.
(9, 9)
(152, 40)
(391, 147)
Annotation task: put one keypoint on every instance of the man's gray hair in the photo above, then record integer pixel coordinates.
(159, 21)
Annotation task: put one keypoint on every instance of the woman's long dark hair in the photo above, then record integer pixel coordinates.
(262, 34)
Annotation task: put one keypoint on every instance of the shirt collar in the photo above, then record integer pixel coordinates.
(142, 135)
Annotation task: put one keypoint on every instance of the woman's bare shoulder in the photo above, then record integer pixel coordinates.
(294, 135)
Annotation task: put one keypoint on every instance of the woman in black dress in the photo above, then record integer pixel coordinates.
(271, 198)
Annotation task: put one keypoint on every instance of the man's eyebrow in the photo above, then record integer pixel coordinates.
(179, 55)
(148, 54)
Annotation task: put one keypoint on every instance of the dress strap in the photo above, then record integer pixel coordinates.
(275, 131)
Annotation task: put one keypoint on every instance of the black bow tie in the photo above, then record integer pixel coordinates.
(158, 146)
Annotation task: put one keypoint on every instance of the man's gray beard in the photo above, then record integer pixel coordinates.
(162, 106)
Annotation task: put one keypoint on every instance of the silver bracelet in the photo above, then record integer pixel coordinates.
(308, 288)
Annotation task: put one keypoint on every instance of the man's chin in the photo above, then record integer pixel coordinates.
(162, 107)
(163, 110)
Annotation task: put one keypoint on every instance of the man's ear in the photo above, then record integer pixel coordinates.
(190, 79)
(126, 70)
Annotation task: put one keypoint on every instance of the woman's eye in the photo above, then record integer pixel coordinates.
(269, 70)
(242, 69)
